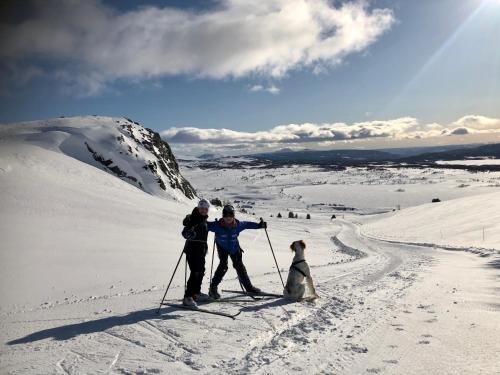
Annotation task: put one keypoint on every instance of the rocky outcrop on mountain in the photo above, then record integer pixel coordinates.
(119, 146)
(164, 165)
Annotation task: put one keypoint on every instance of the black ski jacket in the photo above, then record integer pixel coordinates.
(198, 224)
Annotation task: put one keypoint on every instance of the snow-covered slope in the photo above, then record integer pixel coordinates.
(71, 231)
(464, 222)
(85, 258)
(119, 146)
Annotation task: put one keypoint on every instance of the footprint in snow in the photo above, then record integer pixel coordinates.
(391, 361)
(356, 349)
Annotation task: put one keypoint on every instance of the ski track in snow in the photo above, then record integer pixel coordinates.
(281, 333)
(356, 302)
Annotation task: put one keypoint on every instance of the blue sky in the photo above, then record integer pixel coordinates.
(436, 61)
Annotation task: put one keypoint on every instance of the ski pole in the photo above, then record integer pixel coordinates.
(212, 266)
(185, 273)
(274, 256)
(170, 282)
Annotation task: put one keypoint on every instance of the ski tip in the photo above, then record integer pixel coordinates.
(235, 315)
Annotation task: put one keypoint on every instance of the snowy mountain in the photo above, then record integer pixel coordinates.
(119, 146)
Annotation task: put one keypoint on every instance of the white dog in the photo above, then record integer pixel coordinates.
(299, 270)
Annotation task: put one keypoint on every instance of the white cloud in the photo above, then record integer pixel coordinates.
(403, 128)
(97, 44)
(272, 89)
(256, 88)
(478, 122)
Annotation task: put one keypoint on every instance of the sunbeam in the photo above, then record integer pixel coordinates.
(437, 55)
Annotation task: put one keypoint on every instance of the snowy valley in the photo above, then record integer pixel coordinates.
(91, 211)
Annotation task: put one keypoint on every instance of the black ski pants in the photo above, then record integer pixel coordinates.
(195, 256)
(237, 260)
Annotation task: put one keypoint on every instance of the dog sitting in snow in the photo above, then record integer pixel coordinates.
(299, 270)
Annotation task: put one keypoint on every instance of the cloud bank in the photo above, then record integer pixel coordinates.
(404, 128)
(88, 44)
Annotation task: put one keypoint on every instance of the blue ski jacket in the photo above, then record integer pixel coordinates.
(226, 237)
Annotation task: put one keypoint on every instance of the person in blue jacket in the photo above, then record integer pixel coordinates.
(226, 232)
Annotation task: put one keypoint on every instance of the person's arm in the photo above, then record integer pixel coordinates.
(248, 225)
(251, 225)
(212, 226)
(187, 221)
(188, 233)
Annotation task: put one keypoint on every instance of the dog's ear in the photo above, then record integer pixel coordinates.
(292, 247)
(303, 244)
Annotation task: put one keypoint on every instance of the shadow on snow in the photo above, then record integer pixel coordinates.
(69, 331)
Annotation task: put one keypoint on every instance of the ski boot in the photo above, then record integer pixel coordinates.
(253, 290)
(189, 302)
(201, 297)
(247, 284)
(213, 293)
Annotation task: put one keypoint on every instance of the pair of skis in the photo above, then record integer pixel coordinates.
(255, 296)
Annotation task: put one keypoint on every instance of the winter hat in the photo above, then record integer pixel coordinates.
(203, 203)
(228, 210)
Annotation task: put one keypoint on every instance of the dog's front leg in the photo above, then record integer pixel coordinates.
(310, 284)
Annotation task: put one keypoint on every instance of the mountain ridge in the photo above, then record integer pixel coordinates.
(119, 146)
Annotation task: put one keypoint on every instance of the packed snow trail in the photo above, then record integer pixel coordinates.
(275, 336)
(351, 304)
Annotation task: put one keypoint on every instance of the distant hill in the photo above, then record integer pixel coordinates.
(394, 156)
(340, 157)
(484, 151)
(413, 151)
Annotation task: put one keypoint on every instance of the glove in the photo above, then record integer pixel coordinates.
(262, 225)
(188, 233)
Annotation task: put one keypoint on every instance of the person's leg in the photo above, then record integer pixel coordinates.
(196, 261)
(198, 274)
(241, 270)
(200, 270)
(221, 268)
(219, 274)
(191, 283)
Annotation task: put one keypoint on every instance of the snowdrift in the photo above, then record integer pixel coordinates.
(457, 223)
(119, 146)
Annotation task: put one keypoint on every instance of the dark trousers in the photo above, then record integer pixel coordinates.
(195, 255)
(237, 260)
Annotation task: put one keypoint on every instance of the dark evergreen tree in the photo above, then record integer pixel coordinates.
(216, 202)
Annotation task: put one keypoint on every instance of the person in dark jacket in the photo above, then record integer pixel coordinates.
(226, 232)
(195, 232)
